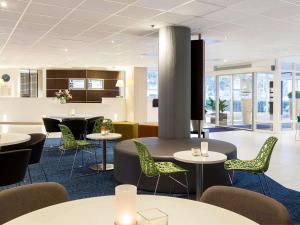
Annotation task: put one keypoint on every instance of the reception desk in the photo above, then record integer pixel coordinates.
(31, 110)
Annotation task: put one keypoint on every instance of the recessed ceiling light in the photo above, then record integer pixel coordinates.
(225, 60)
(112, 41)
(3, 4)
(152, 25)
(66, 50)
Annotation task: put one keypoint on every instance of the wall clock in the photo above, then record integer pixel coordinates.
(6, 77)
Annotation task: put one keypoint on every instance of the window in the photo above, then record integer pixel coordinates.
(77, 84)
(152, 84)
(95, 84)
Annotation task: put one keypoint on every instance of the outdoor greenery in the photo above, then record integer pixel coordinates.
(297, 94)
(211, 105)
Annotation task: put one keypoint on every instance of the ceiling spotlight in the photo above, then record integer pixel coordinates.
(112, 41)
(225, 60)
(66, 50)
(152, 25)
(3, 4)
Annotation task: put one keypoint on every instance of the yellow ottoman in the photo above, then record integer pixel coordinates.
(129, 130)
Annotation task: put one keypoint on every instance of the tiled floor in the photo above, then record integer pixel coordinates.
(285, 162)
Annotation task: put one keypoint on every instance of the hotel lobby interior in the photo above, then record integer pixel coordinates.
(149, 112)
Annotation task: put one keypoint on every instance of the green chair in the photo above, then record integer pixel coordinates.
(257, 166)
(157, 169)
(103, 123)
(70, 143)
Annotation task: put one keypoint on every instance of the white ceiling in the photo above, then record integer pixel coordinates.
(94, 33)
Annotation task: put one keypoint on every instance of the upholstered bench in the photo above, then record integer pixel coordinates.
(148, 130)
(129, 130)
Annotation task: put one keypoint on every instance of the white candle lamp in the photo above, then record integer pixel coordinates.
(204, 149)
(152, 217)
(125, 204)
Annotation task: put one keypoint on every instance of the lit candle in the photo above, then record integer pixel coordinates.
(103, 130)
(125, 204)
(204, 149)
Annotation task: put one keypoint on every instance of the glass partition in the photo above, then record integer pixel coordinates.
(286, 100)
(210, 99)
(225, 100)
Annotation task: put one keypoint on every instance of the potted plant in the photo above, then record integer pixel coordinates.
(63, 96)
(211, 105)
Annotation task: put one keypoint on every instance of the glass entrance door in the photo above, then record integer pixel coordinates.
(225, 100)
(242, 101)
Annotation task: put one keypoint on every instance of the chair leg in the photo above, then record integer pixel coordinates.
(74, 159)
(140, 176)
(29, 174)
(44, 172)
(156, 184)
(60, 157)
(267, 184)
(261, 184)
(96, 161)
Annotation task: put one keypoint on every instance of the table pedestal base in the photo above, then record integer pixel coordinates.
(100, 167)
(199, 181)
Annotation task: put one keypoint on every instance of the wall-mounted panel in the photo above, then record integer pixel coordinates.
(59, 79)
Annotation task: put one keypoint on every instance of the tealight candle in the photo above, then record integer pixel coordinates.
(103, 130)
(196, 151)
(125, 204)
(72, 112)
(204, 149)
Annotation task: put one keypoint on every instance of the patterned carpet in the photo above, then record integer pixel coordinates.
(101, 184)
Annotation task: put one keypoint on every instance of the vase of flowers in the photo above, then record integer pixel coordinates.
(63, 96)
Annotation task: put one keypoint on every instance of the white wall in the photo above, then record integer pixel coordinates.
(13, 84)
(136, 94)
(33, 109)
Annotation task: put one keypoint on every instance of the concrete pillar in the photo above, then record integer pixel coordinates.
(174, 82)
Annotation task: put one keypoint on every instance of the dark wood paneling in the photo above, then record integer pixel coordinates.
(66, 73)
(197, 79)
(58, 79)
(102, 74)
(110, 84)
(57, 83)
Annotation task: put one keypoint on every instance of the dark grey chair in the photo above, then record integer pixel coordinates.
(13, 166)
(257, 207)
(36, 144)
(21, 200)
(51, 126)
(77, 126)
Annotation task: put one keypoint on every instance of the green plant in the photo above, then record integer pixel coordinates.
(211, 104)
(297, 94)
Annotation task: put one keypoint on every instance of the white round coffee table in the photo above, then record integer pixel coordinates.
(212, 158)
(13, 139)
(104, 138)
(101, 211)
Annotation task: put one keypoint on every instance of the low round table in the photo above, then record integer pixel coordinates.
(13, 139)
(68, 116)
(104, 138)
(212, 158)
(101, 210)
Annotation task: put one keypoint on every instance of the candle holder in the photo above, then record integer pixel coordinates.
(204, 149)
(125, 205)
(152, 217)
(103, 130)
(196, 151)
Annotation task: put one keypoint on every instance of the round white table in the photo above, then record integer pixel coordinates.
(100, 211)
(69, 116)
(212, 158)
(13, 139)
(104, 138)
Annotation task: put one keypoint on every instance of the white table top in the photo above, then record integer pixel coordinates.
(187, 157)
(13, 138)
(99, 136)
(69, 116)
(100, 211)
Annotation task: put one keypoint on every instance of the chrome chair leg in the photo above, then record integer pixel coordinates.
(156, 184)
(60, 157)
(261, 184)
(267, 184)
(74, 159)
(29, 174)
(140, 176)
(43, 171)
(231, 177)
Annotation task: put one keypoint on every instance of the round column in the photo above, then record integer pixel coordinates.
(174, 82)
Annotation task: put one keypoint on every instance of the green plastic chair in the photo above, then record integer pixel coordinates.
(257, 166)
(103, 122)
(69, 143)
(150, 168)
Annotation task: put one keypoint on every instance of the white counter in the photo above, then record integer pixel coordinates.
(31, 110)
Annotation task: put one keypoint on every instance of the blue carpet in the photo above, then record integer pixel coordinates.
(103, 183)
